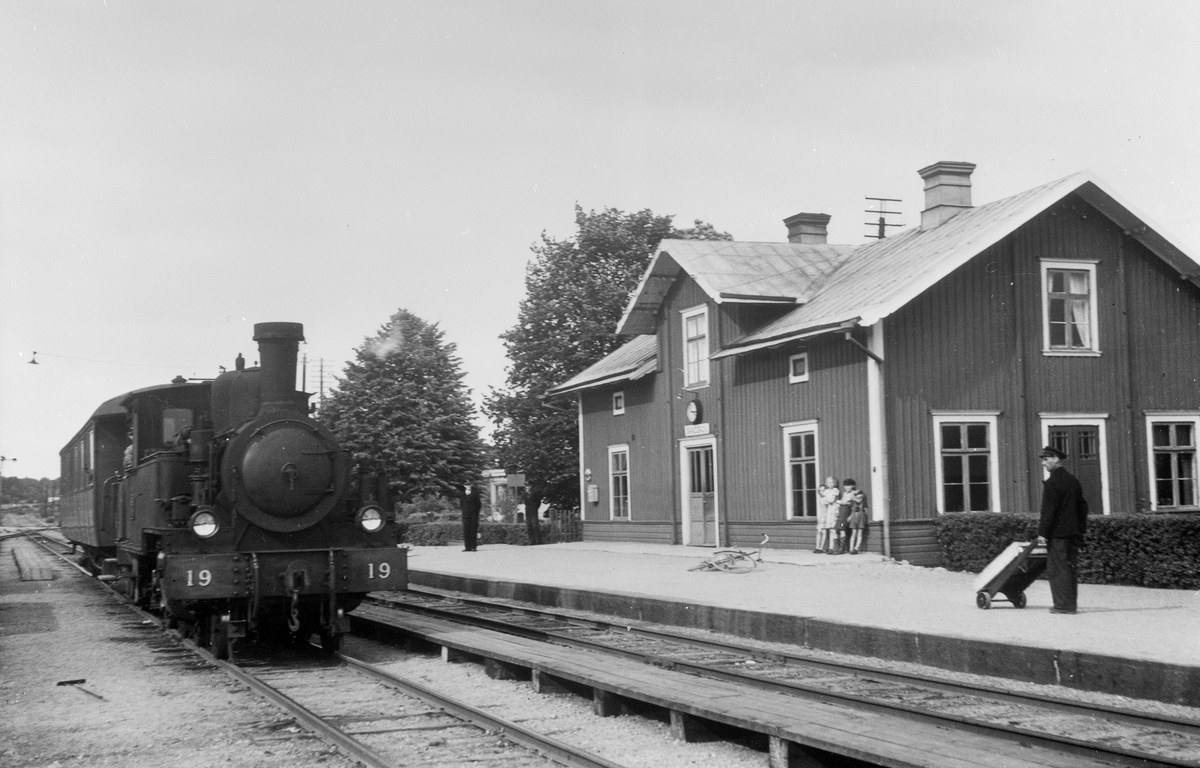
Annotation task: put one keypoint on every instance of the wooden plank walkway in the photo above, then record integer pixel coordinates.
(794, 724)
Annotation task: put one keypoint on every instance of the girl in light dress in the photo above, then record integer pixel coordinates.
(827, 510)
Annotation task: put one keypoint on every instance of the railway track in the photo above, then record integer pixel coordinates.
(1119, 736)
(370, 715)
(383, 720)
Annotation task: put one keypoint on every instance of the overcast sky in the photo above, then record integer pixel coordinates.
(173, 172)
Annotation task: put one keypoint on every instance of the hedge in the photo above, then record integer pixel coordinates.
(441, 534)
(1161, 550)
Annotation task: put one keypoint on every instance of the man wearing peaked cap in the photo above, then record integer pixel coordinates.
(1061, 528)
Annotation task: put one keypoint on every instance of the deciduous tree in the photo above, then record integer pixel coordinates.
(575, 292)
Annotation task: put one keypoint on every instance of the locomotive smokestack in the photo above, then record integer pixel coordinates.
(277, 347)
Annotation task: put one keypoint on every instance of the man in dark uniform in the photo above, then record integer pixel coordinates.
(471, 504)
(1061, 529)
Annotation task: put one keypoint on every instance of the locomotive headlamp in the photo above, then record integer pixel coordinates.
(204, 523)
(370, 518)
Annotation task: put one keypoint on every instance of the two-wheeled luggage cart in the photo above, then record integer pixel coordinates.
(1010, 574)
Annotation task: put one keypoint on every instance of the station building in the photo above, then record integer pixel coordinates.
(929, 366)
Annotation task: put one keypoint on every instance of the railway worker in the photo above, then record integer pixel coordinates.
(1061, 528)
(471, 505)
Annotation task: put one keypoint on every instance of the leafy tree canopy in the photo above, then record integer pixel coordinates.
(402, 410)
(576, 290)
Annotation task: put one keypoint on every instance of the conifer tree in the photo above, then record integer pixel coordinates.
(402, 411)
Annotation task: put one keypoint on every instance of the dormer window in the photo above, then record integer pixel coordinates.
(695, 347)
(1069, 317)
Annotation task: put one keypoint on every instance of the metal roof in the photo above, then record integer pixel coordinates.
(629, 362)
(878, 278)
(726, 270)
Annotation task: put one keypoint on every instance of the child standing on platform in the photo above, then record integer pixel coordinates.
(827, 511)
(854, 502)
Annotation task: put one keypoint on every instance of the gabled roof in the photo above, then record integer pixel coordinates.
(878, 278)
(841, 286)
(789, 273)
(629, 362)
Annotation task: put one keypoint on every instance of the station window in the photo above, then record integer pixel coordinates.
(1172, 440)
(966, 462)
(1069, 319)
(798, 368)
(695, 347)
(618, 472)
(618, 403)
(800, 452)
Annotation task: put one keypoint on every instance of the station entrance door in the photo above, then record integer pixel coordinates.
(699, 497)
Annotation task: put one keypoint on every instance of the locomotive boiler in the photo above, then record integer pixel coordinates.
(223, 504)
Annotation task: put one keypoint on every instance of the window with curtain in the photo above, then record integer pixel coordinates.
(1069, 307)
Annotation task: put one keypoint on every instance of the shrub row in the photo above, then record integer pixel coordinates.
(1159, 550)
(441, 534)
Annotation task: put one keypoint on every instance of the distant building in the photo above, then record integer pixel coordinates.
(929, 366)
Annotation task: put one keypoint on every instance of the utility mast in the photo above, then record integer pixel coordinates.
(882, 224)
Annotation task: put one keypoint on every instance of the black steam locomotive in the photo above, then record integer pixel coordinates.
(224, 505)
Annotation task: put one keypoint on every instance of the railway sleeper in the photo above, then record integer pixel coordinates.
(796, 733)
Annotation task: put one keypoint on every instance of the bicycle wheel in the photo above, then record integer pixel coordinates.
(733, 561)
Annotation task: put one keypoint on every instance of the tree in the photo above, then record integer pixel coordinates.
(402, 411)
(575, 292)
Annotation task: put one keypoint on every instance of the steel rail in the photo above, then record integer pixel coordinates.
(548, 746)
(1058, 741)
(1044, 700)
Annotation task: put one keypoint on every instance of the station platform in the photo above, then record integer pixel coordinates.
(1129, 641)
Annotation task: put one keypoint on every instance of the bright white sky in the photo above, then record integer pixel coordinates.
(172, 173)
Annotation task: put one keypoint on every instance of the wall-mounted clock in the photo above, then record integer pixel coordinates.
(693, 411)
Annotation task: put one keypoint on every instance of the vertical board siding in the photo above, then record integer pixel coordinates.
(759, 399)
(974, 341)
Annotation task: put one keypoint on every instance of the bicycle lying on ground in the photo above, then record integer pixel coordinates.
(733, 560)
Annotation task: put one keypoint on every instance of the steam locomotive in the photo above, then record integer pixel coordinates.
(223, 504)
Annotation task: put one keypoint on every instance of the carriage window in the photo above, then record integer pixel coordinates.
(173, 421)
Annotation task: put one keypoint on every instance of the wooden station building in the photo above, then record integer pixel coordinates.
(930, 366)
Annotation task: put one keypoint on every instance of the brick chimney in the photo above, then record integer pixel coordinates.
(808, 228)
(947, 191)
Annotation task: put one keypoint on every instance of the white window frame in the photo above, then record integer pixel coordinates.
(1075, 265)
(612, 497)
(792, 377)
(789, 430)
(702, 364)
(618, 402)
(1157, 417)
(992, 419)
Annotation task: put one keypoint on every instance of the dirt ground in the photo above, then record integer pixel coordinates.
(145, 702)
